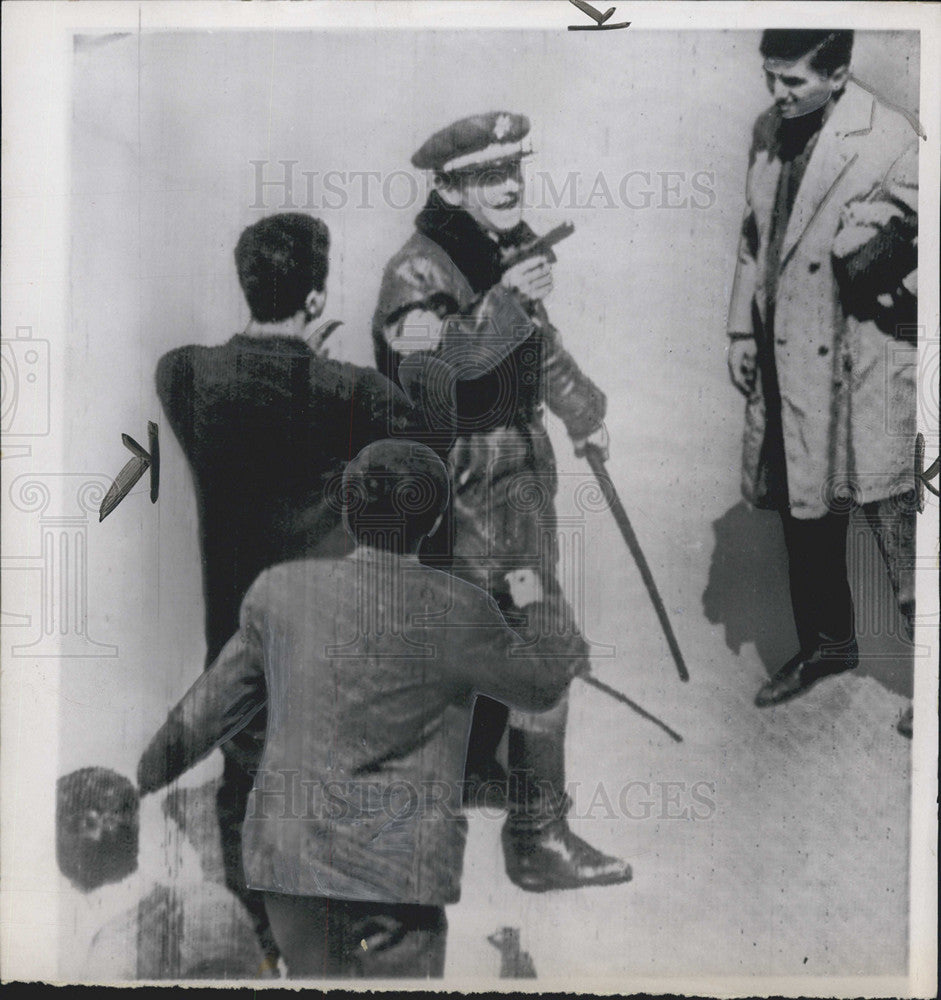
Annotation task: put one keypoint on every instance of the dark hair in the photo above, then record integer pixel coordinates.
(832, 49)
(280, 260)
(393, 492)
(97, 826)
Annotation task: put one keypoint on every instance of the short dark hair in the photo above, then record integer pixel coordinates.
(97, 827)
(832, 49)
(393, 492)
(280, 260)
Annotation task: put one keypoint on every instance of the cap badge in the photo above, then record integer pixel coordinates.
(501, 126)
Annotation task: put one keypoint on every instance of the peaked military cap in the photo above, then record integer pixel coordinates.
(475, 143)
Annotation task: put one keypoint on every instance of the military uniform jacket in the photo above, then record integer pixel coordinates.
(845, 369)
(370, 665)
(440, 293)
(508, 356)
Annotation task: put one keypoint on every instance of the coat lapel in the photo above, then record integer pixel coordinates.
(764, 183)
(830, 159)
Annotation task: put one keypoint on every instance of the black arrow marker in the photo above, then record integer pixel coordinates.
(127, 478)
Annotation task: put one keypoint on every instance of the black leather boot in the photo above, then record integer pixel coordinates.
(484, 776)
(904, 725)
(540, 851)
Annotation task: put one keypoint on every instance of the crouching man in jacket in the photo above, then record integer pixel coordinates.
(369, 665)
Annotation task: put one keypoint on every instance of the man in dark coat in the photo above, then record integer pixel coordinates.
(267, 423)
(369, 665)
(451, 292)
(821, 330)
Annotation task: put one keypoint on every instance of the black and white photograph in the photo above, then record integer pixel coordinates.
(470, 496)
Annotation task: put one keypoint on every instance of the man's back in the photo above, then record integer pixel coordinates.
(370, 666)
(265, 424)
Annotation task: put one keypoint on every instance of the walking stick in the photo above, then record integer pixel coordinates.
(596, 461)
(614, 693)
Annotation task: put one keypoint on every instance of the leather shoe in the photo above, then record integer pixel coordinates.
(552, 857)
(801, 672)
(905, 723)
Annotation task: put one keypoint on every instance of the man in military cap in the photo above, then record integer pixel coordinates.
(450, 292)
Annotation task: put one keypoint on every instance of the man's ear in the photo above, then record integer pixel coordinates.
(314, 303)
(839, 78)
(448, 191)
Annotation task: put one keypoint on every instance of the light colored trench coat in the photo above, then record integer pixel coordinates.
(847, 388)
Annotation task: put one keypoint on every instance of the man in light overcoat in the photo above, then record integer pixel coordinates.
(822, 342)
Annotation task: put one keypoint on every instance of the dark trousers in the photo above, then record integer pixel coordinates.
(817, 573)
(231, 802)
(502, 518)
(321, 937)
(816, 547)
(820, 590)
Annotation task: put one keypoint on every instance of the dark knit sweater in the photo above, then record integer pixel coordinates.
(266, 425)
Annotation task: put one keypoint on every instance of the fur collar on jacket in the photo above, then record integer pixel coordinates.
(476, 255)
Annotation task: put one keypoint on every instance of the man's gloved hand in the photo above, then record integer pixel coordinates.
(743, 365)
(598, 439)
(860, 221)
(531, 278)
(525, 587)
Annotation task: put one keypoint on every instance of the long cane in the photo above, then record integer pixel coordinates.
(617, 696)
(596, 460)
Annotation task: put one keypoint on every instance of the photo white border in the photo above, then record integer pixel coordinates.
(37, 55)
